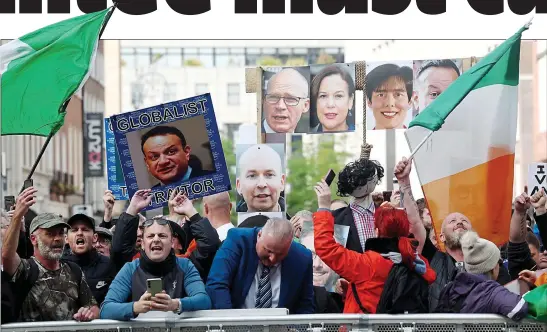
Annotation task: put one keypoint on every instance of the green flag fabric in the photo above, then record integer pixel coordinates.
(537, 303)
(40, 71)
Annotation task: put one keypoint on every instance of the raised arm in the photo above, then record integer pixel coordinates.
(10, 258)
(402, 172)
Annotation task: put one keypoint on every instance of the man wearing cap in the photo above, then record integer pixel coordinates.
(98, 270)
(48, 288)
(104, 241)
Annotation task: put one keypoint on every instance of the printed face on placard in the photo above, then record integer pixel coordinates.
(389, 93)
(285, 100)
(172, 146)
(166, 156)
(431, 78)
(260, 179)
(332, 98)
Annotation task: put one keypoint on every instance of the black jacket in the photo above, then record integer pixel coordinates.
(200, 229)
(327, 302)
(445, 267)
(518, 254)
(98, 271)
(344, 217)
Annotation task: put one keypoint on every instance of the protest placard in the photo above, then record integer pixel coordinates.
(260, 177)
(116, 182)
(169, 146)
(537, 177)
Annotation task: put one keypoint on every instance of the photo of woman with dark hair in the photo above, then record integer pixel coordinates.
(333, 98)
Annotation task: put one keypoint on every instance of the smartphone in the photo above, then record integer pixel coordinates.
(9, 201)
(28, 183)
(330, 176)
(154, 286)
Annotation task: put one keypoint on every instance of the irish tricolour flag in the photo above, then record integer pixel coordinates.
(466, 165)
(40, 71)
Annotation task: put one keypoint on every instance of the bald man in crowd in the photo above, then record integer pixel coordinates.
(286, 99)
(217, 209)
(260, 180)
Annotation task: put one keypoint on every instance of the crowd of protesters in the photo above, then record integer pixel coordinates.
(55, 268)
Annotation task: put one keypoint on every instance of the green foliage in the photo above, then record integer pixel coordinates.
(325, 59)
(295, 62)
(230, 156)
(306, 169)
(193, 63)
(269, 61)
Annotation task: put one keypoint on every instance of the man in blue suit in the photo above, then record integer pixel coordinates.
(262, 268)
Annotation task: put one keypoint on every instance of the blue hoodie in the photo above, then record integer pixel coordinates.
(115, 305)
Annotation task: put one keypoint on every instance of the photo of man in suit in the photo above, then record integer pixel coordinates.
(166, 156)
(262, 268)
(285, 100)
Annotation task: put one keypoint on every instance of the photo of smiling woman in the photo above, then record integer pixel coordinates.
(389, 89)
(332, 98)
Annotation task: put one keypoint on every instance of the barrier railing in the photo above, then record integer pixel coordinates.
(279, 321)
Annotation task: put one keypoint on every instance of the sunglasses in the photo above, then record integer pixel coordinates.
(159, 221)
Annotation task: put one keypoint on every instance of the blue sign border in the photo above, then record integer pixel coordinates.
(119, 189)
(195, 187)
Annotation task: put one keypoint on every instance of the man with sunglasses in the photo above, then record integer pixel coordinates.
(196, 239)
(182, 287)
(286, 99)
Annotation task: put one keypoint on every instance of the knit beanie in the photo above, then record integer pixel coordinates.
(479, 255)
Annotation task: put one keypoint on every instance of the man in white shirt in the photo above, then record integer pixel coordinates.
(217, 209)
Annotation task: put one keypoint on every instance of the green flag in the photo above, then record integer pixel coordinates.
(40, 71)
(537, 303)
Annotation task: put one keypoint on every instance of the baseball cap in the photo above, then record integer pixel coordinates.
(82, 217)
(46, 221)
(103, 231)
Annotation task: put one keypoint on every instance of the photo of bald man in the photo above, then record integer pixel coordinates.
(431, 78)
(260, 177)
(285, 101)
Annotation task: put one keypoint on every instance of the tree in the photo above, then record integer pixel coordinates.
(295, 62)
(307, 165)
(230, 156)
(269, 61)
(193, 63)
(325, 59)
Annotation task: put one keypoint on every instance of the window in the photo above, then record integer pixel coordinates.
(233, 94)
(202, 88)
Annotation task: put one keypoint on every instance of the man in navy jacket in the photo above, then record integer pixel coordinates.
(262, 268)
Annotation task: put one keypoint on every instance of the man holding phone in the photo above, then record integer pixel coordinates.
(158, 280)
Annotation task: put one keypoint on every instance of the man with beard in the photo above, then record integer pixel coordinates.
(446, 264)
(98, 270)
(48, 288)
(182, 287)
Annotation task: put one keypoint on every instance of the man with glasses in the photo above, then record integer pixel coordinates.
(286, 99)
(182, 287)
(104, 241)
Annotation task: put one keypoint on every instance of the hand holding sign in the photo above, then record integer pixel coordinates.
(539, 202)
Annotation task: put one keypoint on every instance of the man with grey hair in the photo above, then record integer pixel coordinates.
(298, 220)
(286, 99)
(262, 268)
(47, 287)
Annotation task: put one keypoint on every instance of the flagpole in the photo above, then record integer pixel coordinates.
(65, 104)
(420, 145)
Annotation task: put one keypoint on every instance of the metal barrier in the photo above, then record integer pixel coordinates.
(249, 321)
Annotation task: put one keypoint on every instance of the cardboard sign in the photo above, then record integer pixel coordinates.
(537, 177)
